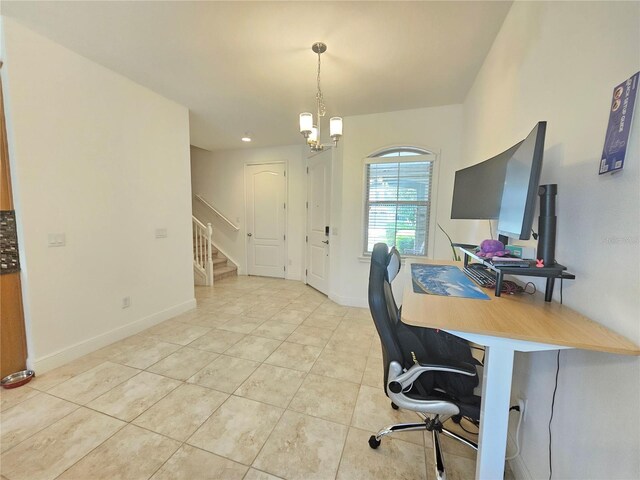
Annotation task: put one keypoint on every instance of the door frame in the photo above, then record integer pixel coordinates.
(306, 222)
(286, 215)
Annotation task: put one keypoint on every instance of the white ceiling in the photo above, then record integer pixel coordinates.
(248, 66)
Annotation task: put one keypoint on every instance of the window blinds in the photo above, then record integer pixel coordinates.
(398, 205)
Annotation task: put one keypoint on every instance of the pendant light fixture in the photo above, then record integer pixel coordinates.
(311, 130)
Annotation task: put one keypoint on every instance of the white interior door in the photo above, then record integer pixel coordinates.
(318, 216)
(266, 192)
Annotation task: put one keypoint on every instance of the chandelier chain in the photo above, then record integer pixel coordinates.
(319, 97)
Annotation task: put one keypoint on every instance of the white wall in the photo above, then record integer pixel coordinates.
(106, 162)
(437, 129)
(219, 177)
(559, 62)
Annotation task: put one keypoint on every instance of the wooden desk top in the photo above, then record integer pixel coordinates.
(521, 317)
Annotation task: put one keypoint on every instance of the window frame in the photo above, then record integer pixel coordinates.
(420, 155)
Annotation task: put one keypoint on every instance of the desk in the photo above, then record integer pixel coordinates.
(505, 325)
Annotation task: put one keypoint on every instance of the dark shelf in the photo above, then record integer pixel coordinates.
(550, 273)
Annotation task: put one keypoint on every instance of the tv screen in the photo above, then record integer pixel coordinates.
(517, 207)
(477, 190)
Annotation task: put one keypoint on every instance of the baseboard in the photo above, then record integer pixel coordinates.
(65, 355)
(349, 301)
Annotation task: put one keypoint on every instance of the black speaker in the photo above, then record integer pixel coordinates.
(547, 224)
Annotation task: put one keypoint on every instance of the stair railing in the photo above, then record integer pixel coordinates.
(215, 210)
(202, 248)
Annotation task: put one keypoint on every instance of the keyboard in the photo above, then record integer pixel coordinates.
(481, 275)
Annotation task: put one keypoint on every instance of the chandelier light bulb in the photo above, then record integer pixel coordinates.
(335, 127)
(306, 123)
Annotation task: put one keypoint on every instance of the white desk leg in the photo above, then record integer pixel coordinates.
(494, 414)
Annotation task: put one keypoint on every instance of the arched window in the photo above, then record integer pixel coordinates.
(398, 199)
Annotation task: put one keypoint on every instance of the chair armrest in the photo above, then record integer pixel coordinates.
(399, 383)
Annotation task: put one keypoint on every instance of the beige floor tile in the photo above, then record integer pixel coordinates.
(131, 398)
(217, 341)
(234, 308)
(374, 373)
(294, 355)
(191, 463)
(326, 398)
(182, 334)
(290, 315)
(305, 335)
(160, 328)
(238, 429)
(10, 397)
(50, 452)
(254, 474)
(272, 385)
(242, 324)
(31, 416)
(264, 311)
(132, 454)
(253, 348)
(300, 305)
(72, 369)
(357, 345)
(274, 329)
(376, 348)
(354, 312)
(303, 447)
(322, 320)
(331, 308)
(373, 412)
(144, 352)
(225, 373)
(94, 382)
(183, 364)
(341, 365)
(393, 459)
(180, 413)
(208, 320)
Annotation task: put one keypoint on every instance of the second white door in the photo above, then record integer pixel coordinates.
(266, 193)
(318, 210)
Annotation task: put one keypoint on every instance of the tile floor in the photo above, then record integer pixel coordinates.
(265, 379)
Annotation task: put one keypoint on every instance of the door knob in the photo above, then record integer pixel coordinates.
(249, 234)
(325, 241)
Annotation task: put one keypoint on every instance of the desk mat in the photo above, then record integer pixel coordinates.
(447, 280)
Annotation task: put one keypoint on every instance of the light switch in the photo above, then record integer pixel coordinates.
(161, 233)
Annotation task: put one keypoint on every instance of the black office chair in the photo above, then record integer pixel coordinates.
(427, 371)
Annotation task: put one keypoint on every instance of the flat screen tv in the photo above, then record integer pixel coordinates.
(521, 181)
(477, 190)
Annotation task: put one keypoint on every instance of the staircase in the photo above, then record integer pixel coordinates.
(209, 264)
(222, 266)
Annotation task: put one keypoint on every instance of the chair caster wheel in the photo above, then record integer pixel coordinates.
(394, 406)
(373, 443)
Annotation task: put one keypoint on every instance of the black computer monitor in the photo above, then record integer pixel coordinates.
(477, 190)
(518, 203)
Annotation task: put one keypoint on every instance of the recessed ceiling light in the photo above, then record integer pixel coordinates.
(246, 138)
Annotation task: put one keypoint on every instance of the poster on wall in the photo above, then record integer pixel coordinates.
(619, 127)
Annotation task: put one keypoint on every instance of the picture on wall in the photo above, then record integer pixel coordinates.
(619, 127)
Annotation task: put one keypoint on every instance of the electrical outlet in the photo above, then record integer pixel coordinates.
(523, 409)
(126, 302)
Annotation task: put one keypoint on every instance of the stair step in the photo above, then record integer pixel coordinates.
(219, 261)
(226, 271)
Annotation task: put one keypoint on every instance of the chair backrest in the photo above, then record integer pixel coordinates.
(385, 264)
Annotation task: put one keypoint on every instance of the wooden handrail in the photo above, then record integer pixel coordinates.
(212, 208)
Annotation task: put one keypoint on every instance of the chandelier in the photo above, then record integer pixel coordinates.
(308, 129)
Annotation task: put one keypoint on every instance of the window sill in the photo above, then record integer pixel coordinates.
(367, 258)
